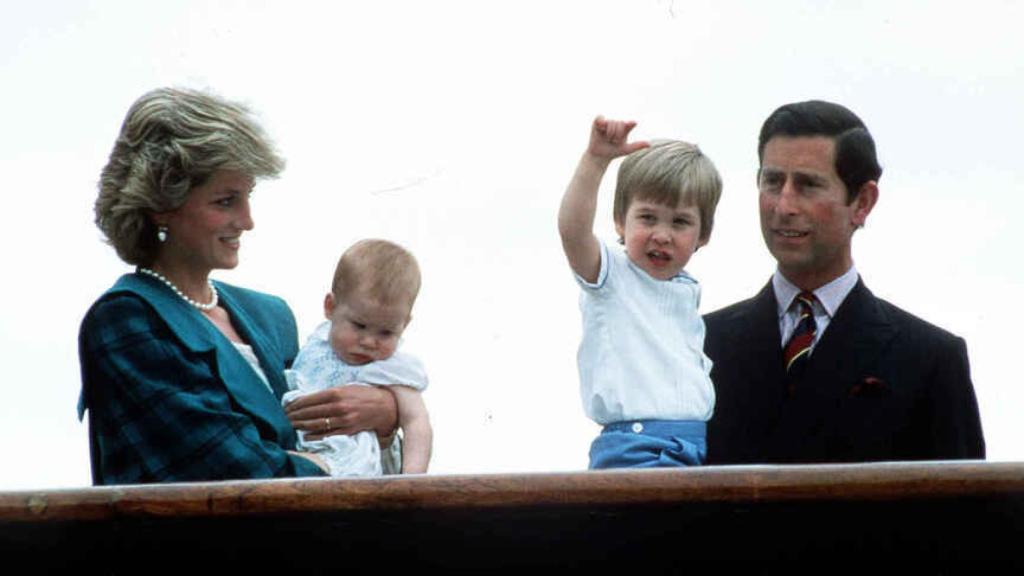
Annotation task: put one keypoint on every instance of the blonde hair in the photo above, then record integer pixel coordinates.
(379, 269)
(171, 141)
(667, 172)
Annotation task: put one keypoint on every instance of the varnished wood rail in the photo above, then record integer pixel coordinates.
(619, 487)
(936, 517)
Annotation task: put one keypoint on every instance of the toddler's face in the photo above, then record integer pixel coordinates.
(363, 330)
(659, 238)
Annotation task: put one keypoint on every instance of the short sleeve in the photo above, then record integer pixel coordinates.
(602, 275)
(400, 368)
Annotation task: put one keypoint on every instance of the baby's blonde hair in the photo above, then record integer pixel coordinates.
(378, 269)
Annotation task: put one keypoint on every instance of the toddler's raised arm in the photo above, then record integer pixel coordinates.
(608, 140)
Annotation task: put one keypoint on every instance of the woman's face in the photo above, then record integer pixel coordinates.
(205, 233)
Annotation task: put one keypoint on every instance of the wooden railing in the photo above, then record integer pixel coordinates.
(921, 518)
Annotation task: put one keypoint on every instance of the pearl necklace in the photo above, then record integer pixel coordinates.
(204, 307)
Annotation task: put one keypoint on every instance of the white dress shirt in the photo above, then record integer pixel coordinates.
(830, 297)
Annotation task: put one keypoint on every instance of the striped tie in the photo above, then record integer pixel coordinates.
(796, 351)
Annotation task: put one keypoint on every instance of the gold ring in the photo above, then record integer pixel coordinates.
(327, 423)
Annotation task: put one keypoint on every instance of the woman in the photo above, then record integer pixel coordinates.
(182, 375)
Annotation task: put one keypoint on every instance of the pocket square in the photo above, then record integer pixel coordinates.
(870, 387)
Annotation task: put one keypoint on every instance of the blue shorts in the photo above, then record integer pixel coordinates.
(650, 444)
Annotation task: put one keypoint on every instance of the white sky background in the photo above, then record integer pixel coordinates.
(453, 128)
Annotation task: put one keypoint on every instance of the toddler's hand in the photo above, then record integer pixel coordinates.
(608, 138)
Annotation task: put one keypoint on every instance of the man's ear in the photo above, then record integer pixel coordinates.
(863, 203)
(328, 305)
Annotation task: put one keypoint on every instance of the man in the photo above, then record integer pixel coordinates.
(836, 375)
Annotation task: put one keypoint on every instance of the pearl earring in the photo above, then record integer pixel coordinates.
(161, 234)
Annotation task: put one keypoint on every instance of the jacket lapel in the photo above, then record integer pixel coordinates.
(761, 354)
(851, 344)
(762, 336)
(201, 336)
(269, 359)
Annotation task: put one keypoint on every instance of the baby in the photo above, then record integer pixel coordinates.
(643, 373)
(370, 304)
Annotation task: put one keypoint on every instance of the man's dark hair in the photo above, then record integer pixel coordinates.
(855, 162)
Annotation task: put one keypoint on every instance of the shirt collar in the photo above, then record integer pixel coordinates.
(684, 277)
(830, 295)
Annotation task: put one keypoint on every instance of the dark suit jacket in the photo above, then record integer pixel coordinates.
(881, 384)
(171, 399)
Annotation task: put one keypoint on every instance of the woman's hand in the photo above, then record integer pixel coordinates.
(345, 410)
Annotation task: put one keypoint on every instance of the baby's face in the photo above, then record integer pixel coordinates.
(363, 330)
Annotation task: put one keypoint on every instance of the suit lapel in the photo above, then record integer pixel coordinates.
(851, 344)
(760, 351)
(762, 336)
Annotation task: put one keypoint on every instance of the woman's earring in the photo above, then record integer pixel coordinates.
(161, 234)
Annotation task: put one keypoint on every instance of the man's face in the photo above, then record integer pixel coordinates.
(805, 219)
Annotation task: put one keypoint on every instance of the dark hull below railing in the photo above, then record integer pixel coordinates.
(929, 518)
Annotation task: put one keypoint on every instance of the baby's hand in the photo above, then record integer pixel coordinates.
(608, 138)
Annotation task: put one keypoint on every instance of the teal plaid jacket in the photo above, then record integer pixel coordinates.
(170, 399)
